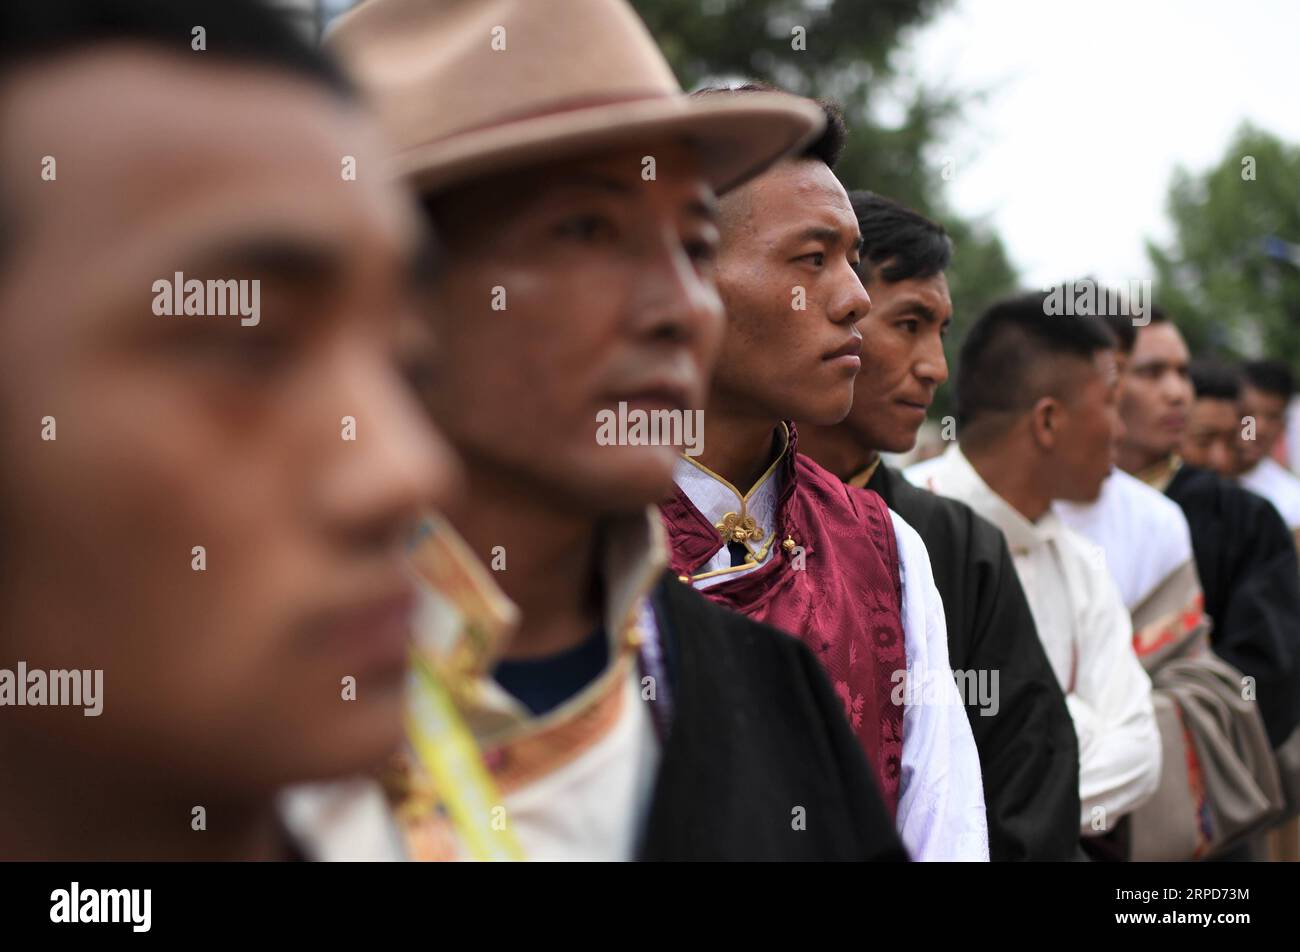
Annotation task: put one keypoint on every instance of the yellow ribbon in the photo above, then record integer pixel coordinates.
(448, 753)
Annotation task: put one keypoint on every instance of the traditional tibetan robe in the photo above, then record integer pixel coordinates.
(1248, 568)
(832, 566)
(697, 735)
(1279, 486)
(1219, 783)
(1086, 633)
(1027, 748)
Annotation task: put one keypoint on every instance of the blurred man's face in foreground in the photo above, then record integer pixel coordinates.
(902, 361)
(570, 289)
(175, 432)
(1213, 436)
(1269, 413)
(1156, 393)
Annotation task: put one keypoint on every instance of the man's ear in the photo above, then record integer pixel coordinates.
(1045, 419)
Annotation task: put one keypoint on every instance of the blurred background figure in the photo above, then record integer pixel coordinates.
(1267, 388)
(1036, 398)
(1213, 438)
(1245, 556)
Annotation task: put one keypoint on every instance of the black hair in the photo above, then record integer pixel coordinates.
(898, 243)
(1125, 330)
(826, 148)
(1214, 380)
(1000, 367)
(244, 31)
(1270, 376)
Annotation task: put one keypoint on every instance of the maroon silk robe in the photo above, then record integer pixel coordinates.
(845, 603)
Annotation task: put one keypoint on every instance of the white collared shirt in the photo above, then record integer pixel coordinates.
(1087, 634)
(941, 813)
(1142, 531)
(592, 799)
(1279, 486)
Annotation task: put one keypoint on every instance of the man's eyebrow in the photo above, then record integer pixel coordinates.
(291, 259)
(923, 311)
(829, 236)
(1148, 363)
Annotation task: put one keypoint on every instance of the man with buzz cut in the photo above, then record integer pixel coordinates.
(1028, 752)
(1036, 423)
(180, 512)
(574, 701)
(1218, 783)
(763, 530)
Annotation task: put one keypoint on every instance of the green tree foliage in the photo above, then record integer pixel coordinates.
(847, 56)
(1217, 278)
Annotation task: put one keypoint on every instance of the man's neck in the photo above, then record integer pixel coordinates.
(836, 449)
(738, 447)
(1135, 460)
(54, 807)
(550, 559)
(1007, 474)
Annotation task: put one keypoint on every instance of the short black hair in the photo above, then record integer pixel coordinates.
(826, 148)
(1126, 331)
(1000, 367)
(1271, 376)
(898, 243)
(1214, 380)
(243, 31)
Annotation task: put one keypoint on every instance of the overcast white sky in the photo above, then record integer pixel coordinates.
(1091, 105)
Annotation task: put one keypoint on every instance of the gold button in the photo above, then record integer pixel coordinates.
(788, 544)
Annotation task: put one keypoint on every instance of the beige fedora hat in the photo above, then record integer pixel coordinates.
(472, 87)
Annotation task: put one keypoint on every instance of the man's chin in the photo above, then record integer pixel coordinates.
(827, 413)
(624, 478)
(902, 440)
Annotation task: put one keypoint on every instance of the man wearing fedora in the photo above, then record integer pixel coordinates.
(573, 699)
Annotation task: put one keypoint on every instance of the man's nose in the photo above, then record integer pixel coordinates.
(671, 299)
(397, 463)
(933, 365)
(852, 302)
